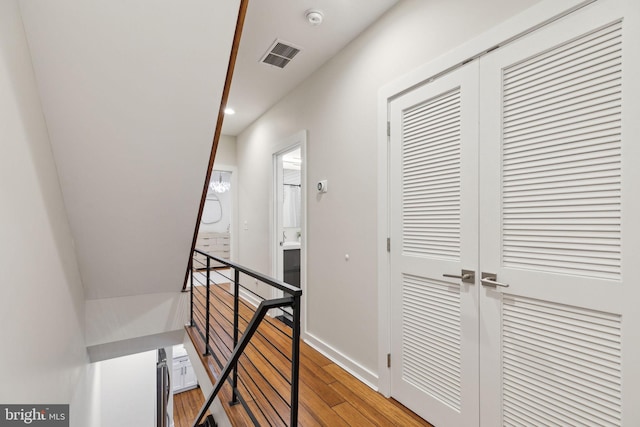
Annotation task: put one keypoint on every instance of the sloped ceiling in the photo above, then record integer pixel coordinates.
(130, 91)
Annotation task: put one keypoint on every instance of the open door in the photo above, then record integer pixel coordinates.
(289, 214)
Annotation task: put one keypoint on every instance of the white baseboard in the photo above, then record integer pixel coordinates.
(249, 297)
(354, 368)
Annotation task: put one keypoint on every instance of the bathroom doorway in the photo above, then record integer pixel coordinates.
(289, 212)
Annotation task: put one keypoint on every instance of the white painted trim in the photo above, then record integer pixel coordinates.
(505, 32)
(297, 139)
(249, 297)
(354, 368)
(384, 270)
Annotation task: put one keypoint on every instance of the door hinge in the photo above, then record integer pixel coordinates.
(388, 128)
(388, 244)
(388, 360)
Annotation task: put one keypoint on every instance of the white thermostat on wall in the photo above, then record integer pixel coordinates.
(322, 186)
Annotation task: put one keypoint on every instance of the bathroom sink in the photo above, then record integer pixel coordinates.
(290, 245)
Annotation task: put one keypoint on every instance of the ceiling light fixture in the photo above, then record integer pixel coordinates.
(314, 17)
(222, 184)
(229, 111)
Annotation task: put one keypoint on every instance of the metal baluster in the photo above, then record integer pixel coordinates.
(191, 267)
(295, 360)
(236, 314)
(206, 346)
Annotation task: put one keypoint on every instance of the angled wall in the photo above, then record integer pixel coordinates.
(41, 295)
(130, 91)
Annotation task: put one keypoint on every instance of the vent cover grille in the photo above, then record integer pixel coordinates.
(280, 54)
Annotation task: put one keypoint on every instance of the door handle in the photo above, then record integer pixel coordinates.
(467, 276)
(489, 279)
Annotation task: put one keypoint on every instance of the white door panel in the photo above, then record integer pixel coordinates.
(525, 166)
(434, 217)
(551, 183)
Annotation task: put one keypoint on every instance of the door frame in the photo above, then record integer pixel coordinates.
(510, 30)
(299, 139)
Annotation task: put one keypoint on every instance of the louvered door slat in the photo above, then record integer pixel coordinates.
(543, 340)
(431, 338)
(562, 53)
(555, 151)
(431, 177)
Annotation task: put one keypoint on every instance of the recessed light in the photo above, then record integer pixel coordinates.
(229, 111)
(314, 17)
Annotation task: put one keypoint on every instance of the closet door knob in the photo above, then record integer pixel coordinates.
(489, 279)
(467, 276)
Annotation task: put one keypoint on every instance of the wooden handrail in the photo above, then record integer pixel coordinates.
(242, 12)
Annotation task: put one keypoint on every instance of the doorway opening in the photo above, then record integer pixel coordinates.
(289, 215)
(217, 233)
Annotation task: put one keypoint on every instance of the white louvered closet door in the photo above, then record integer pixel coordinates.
(434, 202)
(558, 224)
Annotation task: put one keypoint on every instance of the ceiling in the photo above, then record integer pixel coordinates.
(257, 86)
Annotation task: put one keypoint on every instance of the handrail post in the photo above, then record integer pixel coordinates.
(206, 344)
(236, 314)
(191, 289)
(295, 360)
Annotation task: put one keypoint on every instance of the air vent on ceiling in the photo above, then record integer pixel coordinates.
(280, 54)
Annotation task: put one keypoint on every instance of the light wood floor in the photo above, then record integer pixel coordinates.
(186, 407)
(329, 396)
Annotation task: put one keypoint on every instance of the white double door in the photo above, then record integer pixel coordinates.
(521, 167)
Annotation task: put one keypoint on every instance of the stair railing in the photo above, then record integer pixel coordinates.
(201, 277)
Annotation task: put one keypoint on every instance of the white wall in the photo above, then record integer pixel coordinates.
(41, 296)
(127, 387)
(338, 107)
(226, 154)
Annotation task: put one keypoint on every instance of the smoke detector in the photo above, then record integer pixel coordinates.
(314, 17)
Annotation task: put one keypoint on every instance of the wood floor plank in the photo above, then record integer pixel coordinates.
(329, 395)
(371, 412)
(315, 356)
(322, 412)
(351, 415)
(389, 409)
(186, 407)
